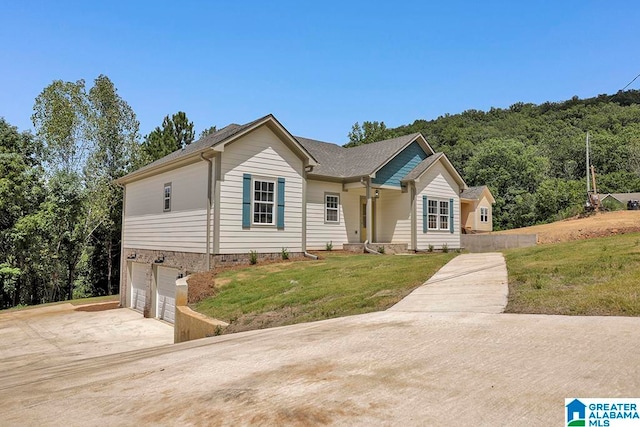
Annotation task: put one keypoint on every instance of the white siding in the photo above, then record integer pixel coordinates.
(393, 219)
(319, 233)
(263, 155)
(183, 229)
(484, 226)
(437, 183)
(350, 202)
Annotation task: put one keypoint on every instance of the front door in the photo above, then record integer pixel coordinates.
(363, 219)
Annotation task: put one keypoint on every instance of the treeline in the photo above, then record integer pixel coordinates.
(60, 212)
(533, 156)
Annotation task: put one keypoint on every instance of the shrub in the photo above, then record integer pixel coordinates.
(329, 246)
(445, 248)
(285, 253)
(430, 248)
(381, 249)
(253, 257)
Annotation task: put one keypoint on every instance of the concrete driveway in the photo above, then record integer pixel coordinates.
(39, 337)
(386, 368)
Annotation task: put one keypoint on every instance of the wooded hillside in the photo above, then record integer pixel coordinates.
(533, 156)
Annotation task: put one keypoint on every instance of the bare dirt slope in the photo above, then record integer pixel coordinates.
(597, 225)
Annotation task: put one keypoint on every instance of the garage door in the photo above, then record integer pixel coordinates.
(166, 301)
(138, 286)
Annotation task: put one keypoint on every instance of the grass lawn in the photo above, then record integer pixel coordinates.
(339, 285)
(587, 277)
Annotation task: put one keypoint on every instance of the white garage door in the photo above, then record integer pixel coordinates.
(166, 300)
(138, 286)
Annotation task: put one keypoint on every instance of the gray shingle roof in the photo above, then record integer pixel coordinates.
(473, 193)
(422, 166)
(621, 197)
(208, 141)
(339, 162)
(329, 156)
(333, 160)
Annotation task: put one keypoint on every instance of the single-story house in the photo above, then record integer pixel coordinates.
(256, 187)
(619, 199)
(476, 209)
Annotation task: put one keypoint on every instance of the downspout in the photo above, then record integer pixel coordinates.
(304, 216)
(208, 239)
(368, 249)
(414, 217)
(123, 261)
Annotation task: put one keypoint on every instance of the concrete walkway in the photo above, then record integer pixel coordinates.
(470, 283)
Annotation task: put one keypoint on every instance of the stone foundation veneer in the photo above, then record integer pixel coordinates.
(389, 248)
(188, 262)
(185, 262)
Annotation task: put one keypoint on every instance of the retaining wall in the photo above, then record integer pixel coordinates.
(496, 242)
(190, 325)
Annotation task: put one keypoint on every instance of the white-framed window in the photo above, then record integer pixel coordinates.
(433, 214)
(332, 208)
(166, 206)
(264, 201)
(484, 214)
(438, 214)
(444, 215)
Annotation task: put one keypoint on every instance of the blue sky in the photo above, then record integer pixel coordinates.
(317, 66)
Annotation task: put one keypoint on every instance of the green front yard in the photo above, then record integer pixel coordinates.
(586, 277)
(339, 285)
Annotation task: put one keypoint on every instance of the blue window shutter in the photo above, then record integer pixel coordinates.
(246, 200)
(451, 215)
(280, 217)
(425, 218)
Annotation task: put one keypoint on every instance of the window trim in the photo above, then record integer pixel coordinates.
(273, 203)
(166, 199)
(437, 215)
(441, 215)
(431, 215)
(327, 208)
(486, 214)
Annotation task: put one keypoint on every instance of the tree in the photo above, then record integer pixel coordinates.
(208, 131)
(21, 191)
(175, 133)
(60, 117)
(115, 129)
(512, 171)
(89, 139)
(368, 133)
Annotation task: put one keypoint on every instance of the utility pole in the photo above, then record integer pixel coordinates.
(588, 168)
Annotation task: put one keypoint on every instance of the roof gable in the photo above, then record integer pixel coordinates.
(476, 193)
(400, 165)
(216, 141)
(425, 165)
(363, 160)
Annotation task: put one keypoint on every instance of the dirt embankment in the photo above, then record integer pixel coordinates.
(596, 225)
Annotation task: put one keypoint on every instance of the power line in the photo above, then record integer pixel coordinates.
(629, 84)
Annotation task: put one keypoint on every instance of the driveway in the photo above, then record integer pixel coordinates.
(39, 337)
(385, 368)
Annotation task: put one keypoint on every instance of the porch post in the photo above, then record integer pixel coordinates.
(369, 212)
